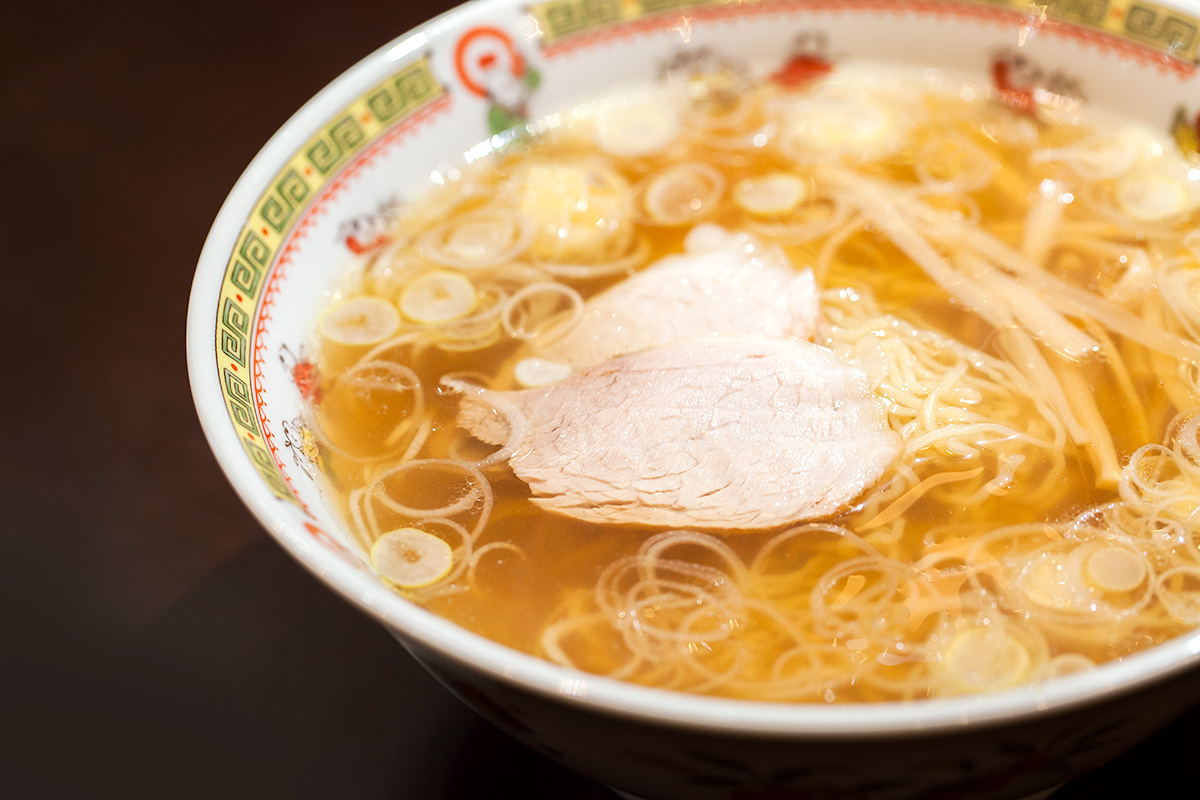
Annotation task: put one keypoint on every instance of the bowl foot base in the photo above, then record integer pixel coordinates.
(1042, 795)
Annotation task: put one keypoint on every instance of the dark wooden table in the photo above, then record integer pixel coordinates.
(153, 641)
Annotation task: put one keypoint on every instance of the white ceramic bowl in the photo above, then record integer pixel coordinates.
(324, 186)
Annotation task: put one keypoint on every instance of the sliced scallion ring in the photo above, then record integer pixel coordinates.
(1151, 196)
(411, 558)
(363, 320)
(438, 296)
(982, 659)
(1115, 569)
(681, 194)
(772, 194)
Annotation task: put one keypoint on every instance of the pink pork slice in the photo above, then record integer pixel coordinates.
(723, 284)
(731, 433)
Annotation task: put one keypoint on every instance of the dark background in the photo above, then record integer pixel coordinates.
(153, 640)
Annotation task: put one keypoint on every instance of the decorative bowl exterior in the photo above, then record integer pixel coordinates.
(322, 193)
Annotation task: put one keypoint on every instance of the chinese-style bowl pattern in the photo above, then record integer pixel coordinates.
(323, 191)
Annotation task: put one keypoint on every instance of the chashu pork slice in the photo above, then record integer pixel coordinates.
(723, 284)
(729, 433)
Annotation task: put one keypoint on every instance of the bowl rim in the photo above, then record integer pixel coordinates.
(596, 694)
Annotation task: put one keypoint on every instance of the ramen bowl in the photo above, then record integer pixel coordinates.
(324, 192)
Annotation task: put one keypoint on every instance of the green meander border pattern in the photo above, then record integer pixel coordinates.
(1166, 31)
(314, 165)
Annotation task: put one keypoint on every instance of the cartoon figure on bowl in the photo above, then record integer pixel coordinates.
(1025, 86)
(300, 439)
(809, 61)
(369, 232)
(490, 66)
(303, 373)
